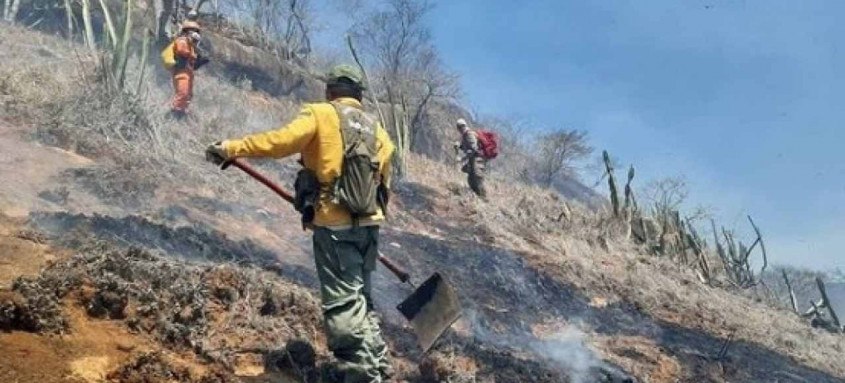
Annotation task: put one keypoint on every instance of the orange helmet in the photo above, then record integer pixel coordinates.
(190, 25)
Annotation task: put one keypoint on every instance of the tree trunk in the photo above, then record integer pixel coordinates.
(416, 121)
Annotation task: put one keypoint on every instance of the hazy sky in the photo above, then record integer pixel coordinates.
(742, 97)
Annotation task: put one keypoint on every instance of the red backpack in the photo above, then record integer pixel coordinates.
(488, 143)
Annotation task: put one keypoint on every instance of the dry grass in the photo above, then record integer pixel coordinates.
(131, 136)
(590, 250)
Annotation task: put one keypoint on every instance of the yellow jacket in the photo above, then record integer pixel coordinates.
(315, 133)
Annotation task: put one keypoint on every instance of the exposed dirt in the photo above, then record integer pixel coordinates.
(22, 252)
(175, 322)
(87, 354)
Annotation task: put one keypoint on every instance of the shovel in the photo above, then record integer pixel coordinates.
(433, 306)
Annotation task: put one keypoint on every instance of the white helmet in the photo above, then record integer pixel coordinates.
(462, 122)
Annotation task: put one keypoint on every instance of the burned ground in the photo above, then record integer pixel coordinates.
(510, 297)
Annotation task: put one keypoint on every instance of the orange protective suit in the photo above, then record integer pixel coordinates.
(183, 74)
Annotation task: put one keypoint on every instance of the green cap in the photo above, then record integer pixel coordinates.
(348, 71)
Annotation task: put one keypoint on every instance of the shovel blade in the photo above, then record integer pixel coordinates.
(431, 309)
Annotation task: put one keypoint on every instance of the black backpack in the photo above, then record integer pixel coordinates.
(357, 186)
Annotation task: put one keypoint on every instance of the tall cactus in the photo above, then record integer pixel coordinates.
(145, 51)
(10, 10)
(630, 201)
(90, 42)
(69, 19)
(735, 257)
(121, 54)
(108, 30)
(118, 44)
(611, 183)
(698, 245)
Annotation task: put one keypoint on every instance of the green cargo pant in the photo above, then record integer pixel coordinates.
(474, 168)
(345, 260)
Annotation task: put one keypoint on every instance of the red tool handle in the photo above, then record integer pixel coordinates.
(259, 177)
(398, 271)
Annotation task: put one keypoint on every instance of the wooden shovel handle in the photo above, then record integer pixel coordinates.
(394, 268)
(403, 275)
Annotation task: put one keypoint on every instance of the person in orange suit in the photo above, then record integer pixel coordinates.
(187, 56)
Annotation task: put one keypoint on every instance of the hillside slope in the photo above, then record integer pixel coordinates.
(548, 297)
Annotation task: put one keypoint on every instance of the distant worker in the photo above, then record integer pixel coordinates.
(345, 153)
(475, 148)
(182, 57)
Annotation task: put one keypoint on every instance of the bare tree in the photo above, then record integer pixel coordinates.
(666, 194)
(283, 27)
(558, 153)
(427, 82)
(397, 44)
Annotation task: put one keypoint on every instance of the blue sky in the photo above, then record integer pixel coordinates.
(742, 97)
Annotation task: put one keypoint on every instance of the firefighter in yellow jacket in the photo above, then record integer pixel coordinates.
(345, 244)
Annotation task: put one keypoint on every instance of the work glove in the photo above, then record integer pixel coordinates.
(216, 153)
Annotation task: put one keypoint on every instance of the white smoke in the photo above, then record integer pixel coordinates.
(569, 349)
(566, 347)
